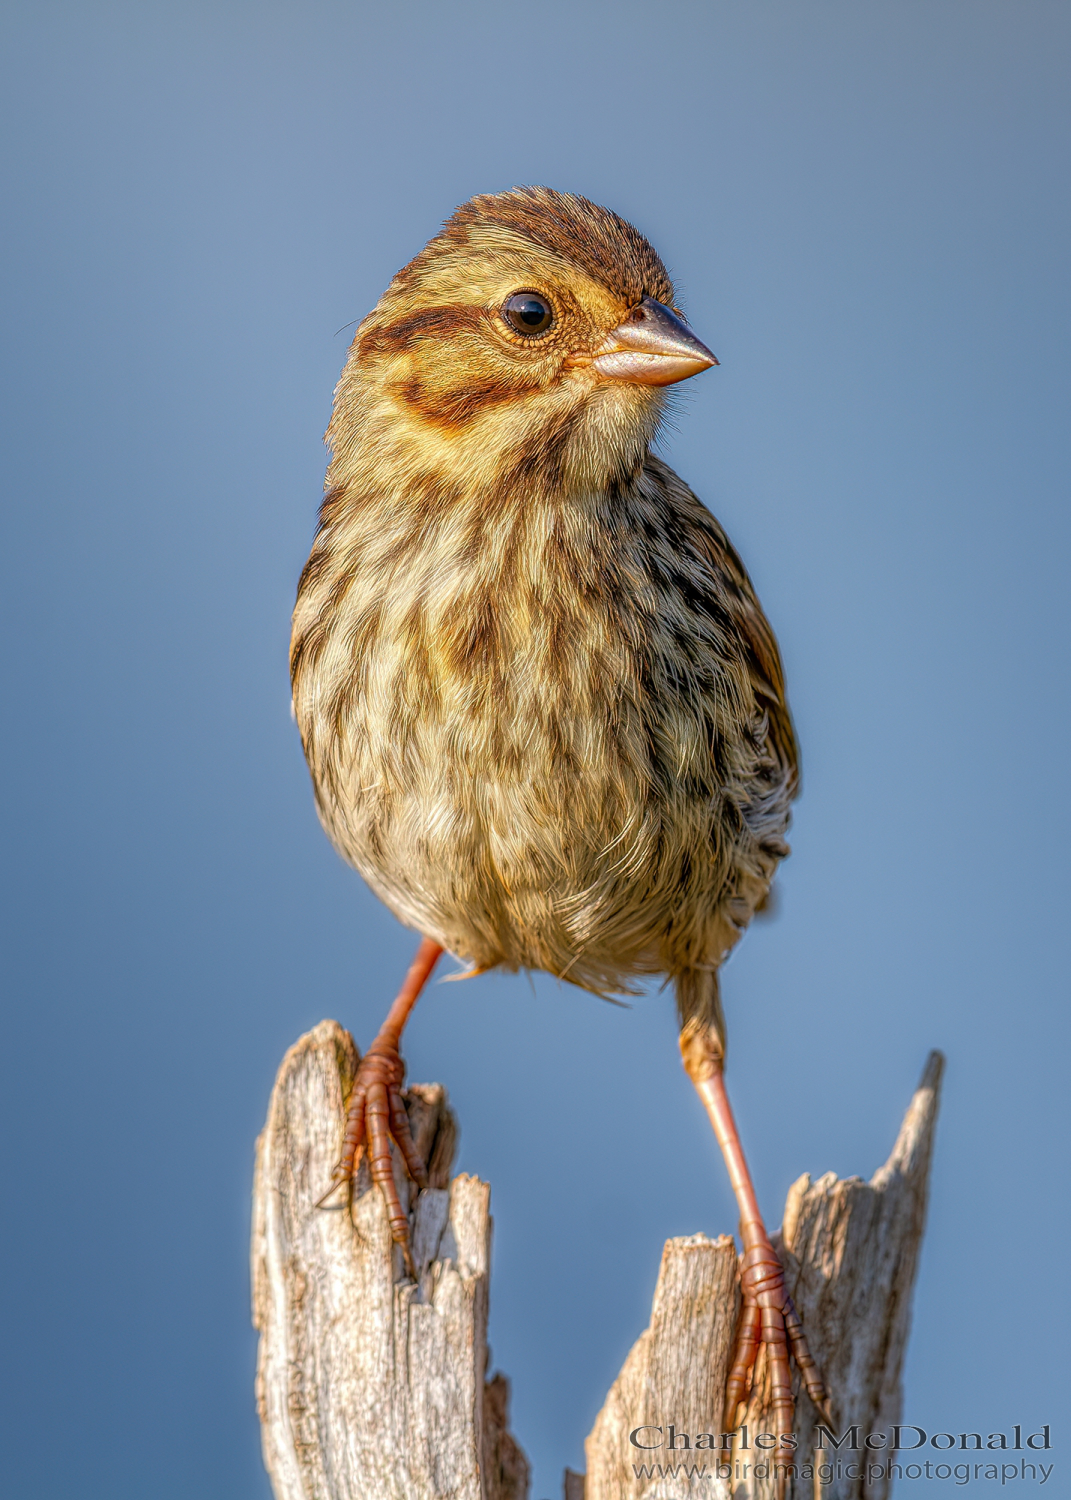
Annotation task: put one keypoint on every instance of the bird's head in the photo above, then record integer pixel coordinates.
(529, 344)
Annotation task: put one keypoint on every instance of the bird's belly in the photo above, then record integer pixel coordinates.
(512, 813)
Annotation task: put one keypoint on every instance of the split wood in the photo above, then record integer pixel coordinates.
(373, 1387)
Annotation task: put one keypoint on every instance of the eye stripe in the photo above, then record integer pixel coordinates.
(429, 323)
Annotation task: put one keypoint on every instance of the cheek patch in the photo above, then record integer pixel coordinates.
(457, 403)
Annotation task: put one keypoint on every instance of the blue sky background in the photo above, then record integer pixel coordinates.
(866, 207)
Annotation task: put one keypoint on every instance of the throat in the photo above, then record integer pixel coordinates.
(488, 453)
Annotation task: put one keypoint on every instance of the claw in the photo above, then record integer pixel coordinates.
(375, 1113)
(399, 1129)
(738, 1386)
(768, 1316)
(812, 1380)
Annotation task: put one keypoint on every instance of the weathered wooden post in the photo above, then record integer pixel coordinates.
(373, 1387)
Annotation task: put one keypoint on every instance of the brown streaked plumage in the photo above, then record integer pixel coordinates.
(543, 711)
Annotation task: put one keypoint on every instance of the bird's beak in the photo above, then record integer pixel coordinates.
(652, 347)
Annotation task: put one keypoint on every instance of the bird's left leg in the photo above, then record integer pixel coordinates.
(375, 1111)
(767, 1316)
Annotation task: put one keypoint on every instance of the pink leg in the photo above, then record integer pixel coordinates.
(768, 1315)
(375, 1113)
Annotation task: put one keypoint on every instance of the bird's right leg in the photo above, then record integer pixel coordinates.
(768, 1315)
(375, 1112)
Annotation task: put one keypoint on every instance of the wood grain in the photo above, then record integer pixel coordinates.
(371, 1387)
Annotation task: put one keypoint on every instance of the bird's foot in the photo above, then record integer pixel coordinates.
(769, 1317)
(375, 1115)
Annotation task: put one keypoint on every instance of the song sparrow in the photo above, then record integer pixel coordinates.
(543, 711)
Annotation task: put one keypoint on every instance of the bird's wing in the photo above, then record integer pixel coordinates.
(737, 598)
(761, 652)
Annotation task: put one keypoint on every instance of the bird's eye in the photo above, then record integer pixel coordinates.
(528, 313)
